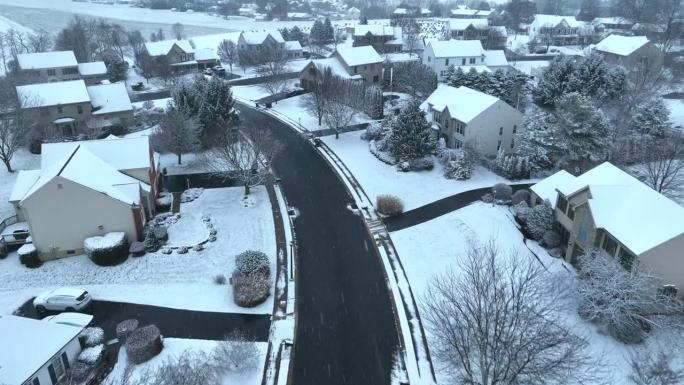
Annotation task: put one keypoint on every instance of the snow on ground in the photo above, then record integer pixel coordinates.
(174, 347)
(257, 92)
(158, 103)
(22, 160)
(528, 67)
(518, 43)
(431, 248)
(414, 188)
(296, 65)
(294, 109)
(676, 107)
(175, 280)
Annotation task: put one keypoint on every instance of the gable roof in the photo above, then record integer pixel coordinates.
(461, 24)
(27, 344)
(554, 20)
(92, 68)
(120, 153)
(52, 94)
(495, 58)
(25, 179)
(635, 214)
(613, 20)
(204, 54)
(463, 103)
(373, 29)
(293, 45)
(336, 67)
(258, 37)
(456, 48)
(161, 48)
(621, 45)
(355, 56)
(43, 60)
(109, 98)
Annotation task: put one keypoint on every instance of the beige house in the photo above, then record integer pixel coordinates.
(630, 51)
(355, 63)
(561, 30)
(606, 208)
(383, 38)
(252, 42)
(67, 108)
(93, 73)
(43, 67)
(85, 189)
(463, 116)
(180, 55)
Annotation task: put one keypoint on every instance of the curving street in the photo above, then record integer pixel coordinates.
(346, 331)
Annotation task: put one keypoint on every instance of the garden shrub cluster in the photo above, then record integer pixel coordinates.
(251, 278)
(108, 250)
(143, 344)
(91, 336)
(28, 256)
(389, 205)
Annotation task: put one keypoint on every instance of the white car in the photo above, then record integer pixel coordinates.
(63, 299)
(70, 319)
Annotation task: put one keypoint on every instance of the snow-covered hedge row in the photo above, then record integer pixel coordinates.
(28, 256)
(92, 355)
(144, 343)
(384, 157)
(107, 250)
(125, 328)
(92, 336)
(250, 262)
(250, 290)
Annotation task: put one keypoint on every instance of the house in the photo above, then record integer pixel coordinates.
(402, 15)
(179, 54)
(299, 16)
(463, 116)
(477, 29)
(608, 209)
(561, 30)
(70, 107)
(383, 38)
(463, 13)
(84, 189)
(92, 73)
(354, 63)
(294, 50)
(630, 51)
(255, 42)
(353, 13)
(614, 23)
(439, 55)
(35, 352)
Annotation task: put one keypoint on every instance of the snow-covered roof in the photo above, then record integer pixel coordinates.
(25, 179)
(621, 45)
(109, 98)
(554, 20)
(258, 37)
(298, 15)
(457, 48)
(161, 48)
(400, 11)
(52, 94)
(546, 188)
(206, 54)
(120, 153)
(355, 56)
(635, 214)
(27, 344)
(373, 29)
(293, 46)
(464, 12)
(495, 58)
(463, 103)
(336, 67)
(92, 69)
(612, 20)
(462, 24)
(212, 41)
(44, 60)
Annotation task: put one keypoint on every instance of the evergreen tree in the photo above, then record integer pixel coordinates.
(411, 136)
(589, 10)
(554, 82)
(216, 111)
(285, 33)
(328, 31)
(363, 20)
(535, 142)
(651, 118)
(296, 34)
(316, 34)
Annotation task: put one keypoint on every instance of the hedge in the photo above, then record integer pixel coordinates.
(108, 250)
(143, 344)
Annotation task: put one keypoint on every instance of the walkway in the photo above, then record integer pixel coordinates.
(438, 208)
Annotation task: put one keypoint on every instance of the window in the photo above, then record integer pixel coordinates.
(562, 203)
(472, 60)
(626, 259)
(571, 213)
(79, 108)
(36, 381)
(463, 61)
(512, 143)
(356, 70)
(446, 62)
(498, 146)
(60, 109)
(609, 245)
(69, 71)
(429, 59)
(458, 143)
(500, 130)
(376, 79)
(515, 128)
(51, 72)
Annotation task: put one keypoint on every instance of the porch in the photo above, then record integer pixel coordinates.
(13, 232)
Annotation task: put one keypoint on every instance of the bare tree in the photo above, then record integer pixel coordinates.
(410, 31)
(247, 155)
(273, 68)
(137, 43)
(238, 353)
(15, 122)
(188, 368)
(337, 115)
(339, 37)
(228, 52)
(669, 19)
(40, 41)
(146, 63)
(177, 133)
(178, 31)
(655, 369)
(319, 89)
(496, 319)
(662, 165)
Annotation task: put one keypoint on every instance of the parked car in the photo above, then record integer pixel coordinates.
(208, 71)
(70, 319)
(63, 299)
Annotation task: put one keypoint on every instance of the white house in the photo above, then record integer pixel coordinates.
(353, 13)
(36, 352)
(59, 66)
(463, 116)
(181, 55)
(561, 30)
(256, 41)
(439, 55)
(84, 189)
(608, 209)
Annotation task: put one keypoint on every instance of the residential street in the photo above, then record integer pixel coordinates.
(345, 332)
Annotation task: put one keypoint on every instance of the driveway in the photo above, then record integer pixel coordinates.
(174, 323)
(346, 332)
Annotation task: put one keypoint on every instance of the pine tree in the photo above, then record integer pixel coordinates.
(296, 34)
(363, 20)
(651, 118)
(285, 33)
(412, 136)
(589, 10)
(217, 110)
(535, 142)
(316, 35)
(581, 131)
(554, 82)
(328, 31)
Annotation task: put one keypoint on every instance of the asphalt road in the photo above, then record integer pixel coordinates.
(346, 332)
(176, 323)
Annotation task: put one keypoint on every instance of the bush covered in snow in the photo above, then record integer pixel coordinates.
(520, 196)
(238, 353)
(79, 371)
(511, 166)
(487, 198)
(250, 262)
(383, 156)
(250, 290)
(92, 355)
(628, 333)
(108, 250)
(540, 220)
(458, 164)
(190, 195)
(220, 279)
(143, 344)
(375, 131)
(425, 163)
(182, 250)
(161, 233)
(551, 239)
(28, 256)
(164, 202)
(91, 336)
(137, 249)
(521, 210)
(125, 328)
(389, 205)
(502, 192)
(151, 242)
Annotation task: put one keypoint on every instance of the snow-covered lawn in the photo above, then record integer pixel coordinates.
(175, 347)
(429, 249)
(256, 92)
(414, 188)
(175, 280)
(157, 103)
(294, 108)
(676, 107)
(22, 160)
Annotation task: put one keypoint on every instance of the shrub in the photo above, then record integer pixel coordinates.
(137, 249)
(521, 212)
(487, 198)
(627, 333)
(502, 192)
(79, 371)
(3, 251)
(91, 336)
(161, 233)
(250, 261)
(198, 247)
(92, 355)
(220, 279)
(166, 250)
(540, 220)
(383, 156)
(551, 239)
(28, 256)
(164, 202)
(144, 343)
(182, 250)
(125, 328)
(375, 131)
(389, 205)
(151, 242)
(238, 353)
(457, 164)
(421, 164)
(520, 196)
(108, 250)
(250, 290)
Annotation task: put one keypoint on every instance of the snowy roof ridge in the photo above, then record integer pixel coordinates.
(373, 29)
(52, 94)
(554, 20)
(259, 37)
(160, 48)
(109, 98)
(355, 56)
(463, 103)
(461, 24)
(120, 153)
(92, 68)
(44, 60)
(621, 45)
(456, 48)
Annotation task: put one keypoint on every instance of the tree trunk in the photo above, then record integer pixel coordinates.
(320, 119)
(179, 158)
(8, 165)
(337, 134)
(246, 188)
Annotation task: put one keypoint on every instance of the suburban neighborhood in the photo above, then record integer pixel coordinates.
(340, 192)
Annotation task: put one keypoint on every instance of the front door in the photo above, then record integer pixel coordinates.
(577, 251)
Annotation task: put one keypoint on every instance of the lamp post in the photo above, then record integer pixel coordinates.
(291, 260)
